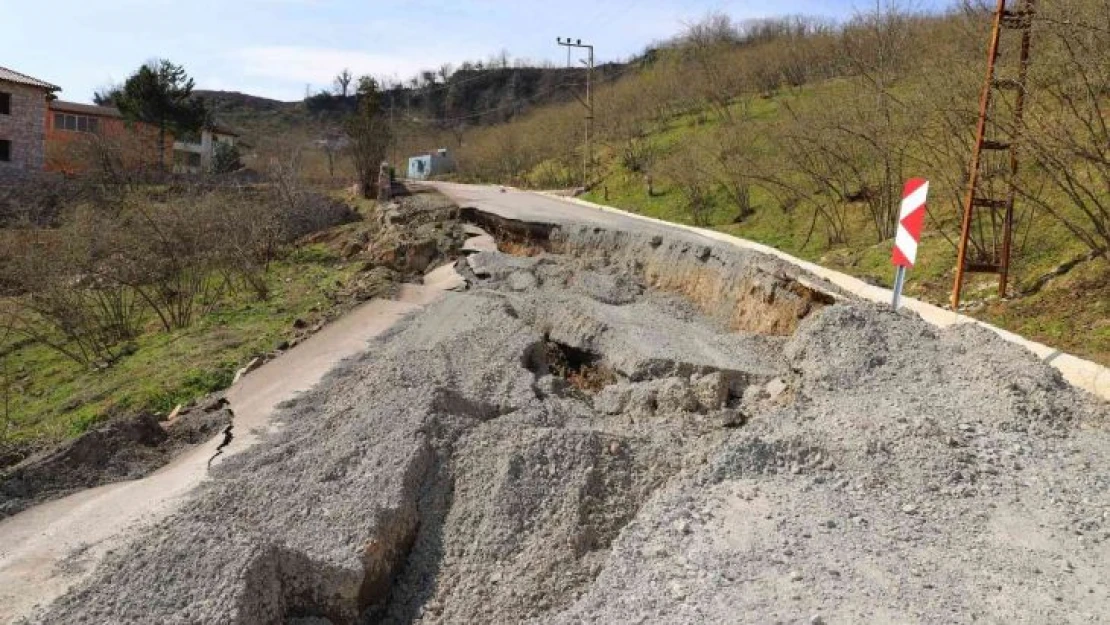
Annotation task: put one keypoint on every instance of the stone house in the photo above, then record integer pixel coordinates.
(23, 106)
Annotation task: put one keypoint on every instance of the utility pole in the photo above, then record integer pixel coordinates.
(393, 132)
(587, 156)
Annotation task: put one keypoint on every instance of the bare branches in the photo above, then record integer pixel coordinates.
(87, 288)
(1066, 130)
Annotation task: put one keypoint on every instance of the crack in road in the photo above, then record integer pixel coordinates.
(228, 437)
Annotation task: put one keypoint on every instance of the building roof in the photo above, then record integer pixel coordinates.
(10, 75)
(85, 109)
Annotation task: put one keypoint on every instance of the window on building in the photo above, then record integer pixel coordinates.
(5, 103)
(5, 150)
(76, 123)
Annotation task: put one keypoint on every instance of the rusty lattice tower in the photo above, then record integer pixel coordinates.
(986, 236)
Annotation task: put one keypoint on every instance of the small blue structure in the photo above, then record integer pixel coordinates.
(434, 164)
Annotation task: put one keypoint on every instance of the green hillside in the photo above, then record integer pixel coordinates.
(799, 134)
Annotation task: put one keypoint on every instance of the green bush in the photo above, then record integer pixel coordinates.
(225, 159)
(550, 174)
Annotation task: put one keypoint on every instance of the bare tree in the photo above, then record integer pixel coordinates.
(707, 44)
(1067, 129)
(685, 169)
(370, 136)
(343, 82)
(65, 302)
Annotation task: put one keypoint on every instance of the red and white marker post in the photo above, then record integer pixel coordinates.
(911, 220)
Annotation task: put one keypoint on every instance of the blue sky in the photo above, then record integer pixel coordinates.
(275, 48)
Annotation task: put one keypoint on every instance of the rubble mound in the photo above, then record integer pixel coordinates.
(827, 462)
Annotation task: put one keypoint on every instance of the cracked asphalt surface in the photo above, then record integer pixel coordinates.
(629, 427)
(632, 424)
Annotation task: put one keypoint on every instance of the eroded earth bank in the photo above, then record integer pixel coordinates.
(612, 427)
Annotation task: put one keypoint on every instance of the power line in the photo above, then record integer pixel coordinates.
(612, 15)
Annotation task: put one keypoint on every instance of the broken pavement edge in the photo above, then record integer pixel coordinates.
(1089, 376)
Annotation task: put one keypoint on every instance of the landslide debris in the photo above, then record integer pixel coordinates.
(745, 450)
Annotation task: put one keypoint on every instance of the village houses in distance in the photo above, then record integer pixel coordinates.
(41, 133)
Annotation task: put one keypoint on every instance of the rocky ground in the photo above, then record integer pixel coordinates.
(630, 428)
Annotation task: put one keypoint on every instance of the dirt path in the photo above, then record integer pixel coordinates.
(47, 549)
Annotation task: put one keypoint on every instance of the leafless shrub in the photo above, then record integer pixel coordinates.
(1067, 129)
(41, 201)
(684, 167)
(170, 259)
(87, 288)
(737, 166)
(65, 306)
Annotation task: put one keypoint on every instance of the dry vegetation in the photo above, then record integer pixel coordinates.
(800, 133)
(87, 287)
(93, 272)
(802, 113)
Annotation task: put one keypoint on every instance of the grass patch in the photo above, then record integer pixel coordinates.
(316, 253)
(50, 398)
(1071, 315)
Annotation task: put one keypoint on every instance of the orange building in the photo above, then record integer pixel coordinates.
(83, 137)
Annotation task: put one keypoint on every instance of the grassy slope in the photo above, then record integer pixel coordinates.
(51, 398)
(1056, 316)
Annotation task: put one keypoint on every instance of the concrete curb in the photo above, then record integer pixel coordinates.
(1089, 376)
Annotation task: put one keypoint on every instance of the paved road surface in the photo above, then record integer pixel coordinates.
(34, 543)
(528, 206)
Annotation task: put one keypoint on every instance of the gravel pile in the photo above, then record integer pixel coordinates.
(846, 464)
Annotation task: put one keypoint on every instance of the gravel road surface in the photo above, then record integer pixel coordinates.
(627, 425)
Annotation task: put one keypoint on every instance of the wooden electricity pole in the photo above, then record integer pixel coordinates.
(587, 156)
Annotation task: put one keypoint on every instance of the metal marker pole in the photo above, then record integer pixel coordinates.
(899, 281)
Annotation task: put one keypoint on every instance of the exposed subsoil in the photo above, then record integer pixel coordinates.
(121, 450)
(641, 429)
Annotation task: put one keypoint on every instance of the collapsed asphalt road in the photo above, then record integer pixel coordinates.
(635, 427)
